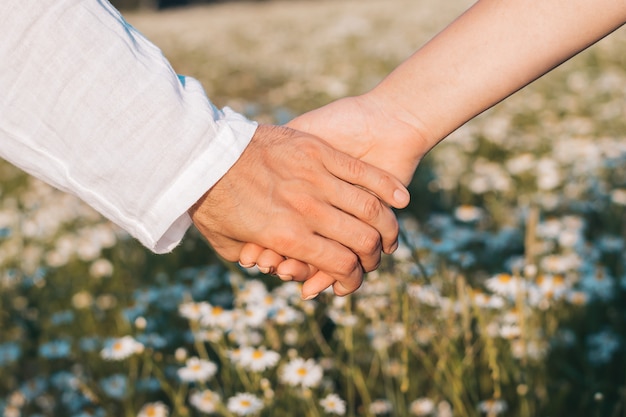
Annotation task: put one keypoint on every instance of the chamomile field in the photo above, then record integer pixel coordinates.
(506, 297)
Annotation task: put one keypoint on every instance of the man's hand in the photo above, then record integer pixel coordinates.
(293, 193)
(368, 130)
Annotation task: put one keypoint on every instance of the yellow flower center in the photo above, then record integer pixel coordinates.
(504, 278)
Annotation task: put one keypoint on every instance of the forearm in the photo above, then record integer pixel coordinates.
(488, 53)
(93, 108)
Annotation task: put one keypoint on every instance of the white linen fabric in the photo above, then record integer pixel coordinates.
(90, 106)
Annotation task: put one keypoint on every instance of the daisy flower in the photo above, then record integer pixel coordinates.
(552, 286)
(205, 401)
(244, 404)
(197, 369)
(504, 284)
(333, 404)
(618, 196)
(271, 302)
(510, 331)
(577, 298)
(467, 213)
(381, 407)
(559, 264)
(255, 316)
(258, 359)
(122, 348)
(300, 372)
(217, 316)
(286, 315)
(422, 407)
(157, 409)
(252, 290)
(194, 311)
(492, 407)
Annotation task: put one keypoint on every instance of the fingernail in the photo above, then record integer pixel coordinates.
(340, 290)
(285, 277)
(310, 297)
(401, 197)
(250, 265)
(393, 247)
(266, 269)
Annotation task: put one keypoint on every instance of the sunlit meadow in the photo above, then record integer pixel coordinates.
(507, 296)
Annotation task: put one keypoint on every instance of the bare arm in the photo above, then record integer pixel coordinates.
(492, 50)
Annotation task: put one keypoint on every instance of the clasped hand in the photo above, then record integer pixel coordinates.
(294, 193)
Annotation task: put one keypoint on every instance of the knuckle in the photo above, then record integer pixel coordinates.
(354, 167)
(373, 266)
(306, 150)
(370, 242)
(304, 205)
(391, 230)
(286, 238)
(342, 289)
(371, 208)
(346, 264)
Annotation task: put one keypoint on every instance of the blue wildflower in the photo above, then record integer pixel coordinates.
(74, 400)
(170, 297)
(598, 283)
(89, 343)
(115, 386)
(146, 296)
(5, 232)
(62, 380)
(92, 412)
(464, 259)
(152, 340)
(149, 384)
(283, 115)
(62, 317)
(34, 388)
(602, 346)
(610, 244)
(132, 313)
(55, 349)
(36, 279)
(9, 353)
(203, 286)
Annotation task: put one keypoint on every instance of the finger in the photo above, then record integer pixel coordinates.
(381, 183)
(249, 254)
(268, 261)
(354, 234)
(293, 269)
(342, 290)
(324, 253)
(368, 208)
(316, 284)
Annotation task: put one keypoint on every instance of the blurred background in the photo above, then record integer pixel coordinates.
(162, 4)
(506, 297)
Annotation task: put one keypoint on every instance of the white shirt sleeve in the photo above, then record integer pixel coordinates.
(92, 107)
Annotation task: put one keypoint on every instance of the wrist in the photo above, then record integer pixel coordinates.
(413, 134)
